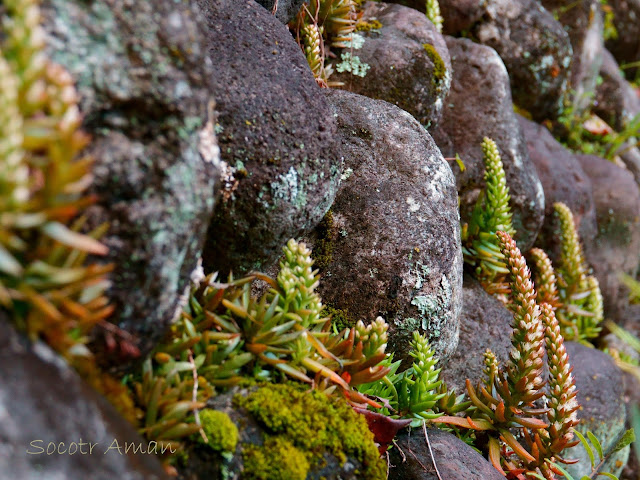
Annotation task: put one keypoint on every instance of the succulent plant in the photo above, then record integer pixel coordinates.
(321, 25)
(432, 8)
(519, 436)
(490, 214)
(579, 309)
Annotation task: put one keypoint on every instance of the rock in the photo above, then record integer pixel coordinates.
(454, 458)
(626, 47)
(485, 322)
(535, 49)
(616, 100)
(564, 181)
(600, 394)
(278, 426)
(458, 15)
(143, 78)
(277, 137)
(584, 23)
(479, 105)
(284, 10)
(408, 59)
(54, 405)
(395, 235)
(616, 246)
(630, 156)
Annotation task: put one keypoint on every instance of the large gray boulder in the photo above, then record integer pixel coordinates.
(616, 100)
(454, 458)
(479, 105)
(408, 62)
(584, 23)
(276, 136)
(600, 385)
(626, 46)
(485, 322)
(616, 246)
(52, 425)
(395, 233)
(535, 49)
(564, 181)
(143, 78)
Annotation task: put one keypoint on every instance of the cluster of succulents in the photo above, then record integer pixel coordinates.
(226, 334)
(321, 25)
(508, 399)
(491, 214)
(569, 289)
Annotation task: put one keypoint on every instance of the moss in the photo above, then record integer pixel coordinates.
(315, 424)
(277, 459)
(367, 26)
(323, 249)
(220, 430)
(340, 318)
(439, 67)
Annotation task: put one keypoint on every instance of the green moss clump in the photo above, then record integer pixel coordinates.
(340, 318)
(277, 459)
(315, 424)
(220, 430)
(367, 26)
(323, 250)
(439, 67)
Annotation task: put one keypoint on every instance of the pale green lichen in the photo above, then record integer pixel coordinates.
(352, 64)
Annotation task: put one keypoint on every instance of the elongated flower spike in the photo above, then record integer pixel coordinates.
(562, 402)
(433, 14)
(545, 279)
(572, 266)
(524, 368)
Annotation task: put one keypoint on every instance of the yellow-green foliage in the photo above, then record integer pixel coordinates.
(433, 13)
(314, 424)
(580, 311)
(45, 281)
(490, 214)
(439, 67)
(221, 432)
(277, 459)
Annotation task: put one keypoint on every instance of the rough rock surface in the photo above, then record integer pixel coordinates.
(536, 50)
(396, 242)
(285, 10)
(276, 135)
(485, 322)
(616, 100)
(616, 247)
(41, 398)
(564, 181)
(455, 459)
(479, 105)
(458, 15)
(626, 48)
(584, 23)
(600, 387)
(154, 178)
(408, 59)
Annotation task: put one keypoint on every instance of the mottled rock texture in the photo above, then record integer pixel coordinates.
(41, 398)
(408, 59)
(395, 238)
(616, 101)
(536, 50)
(143, 78)
(276, 135)
(584, 23)
(626, 47)
(479, 105)
(485, 322)
(285, 10)
(458, 15)
(617, 199)
(564, 181)
(600, 387)
(454, 458)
